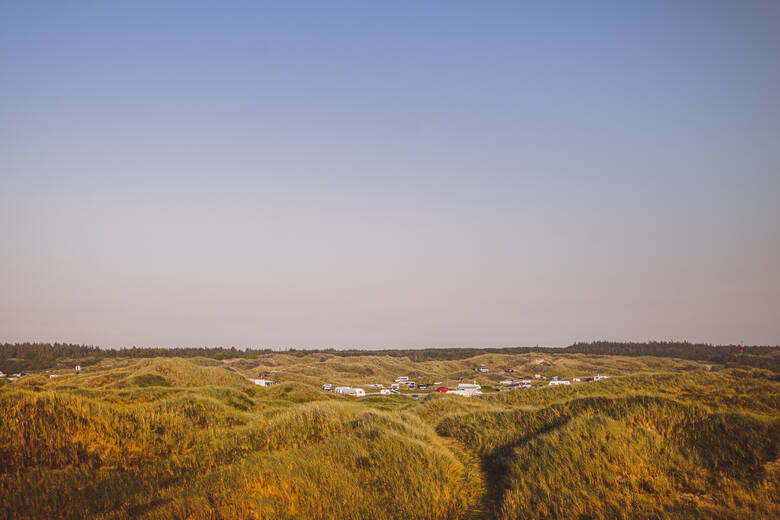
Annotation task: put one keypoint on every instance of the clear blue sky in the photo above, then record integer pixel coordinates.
(389, 173)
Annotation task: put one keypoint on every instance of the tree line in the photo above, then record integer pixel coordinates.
(32, 356)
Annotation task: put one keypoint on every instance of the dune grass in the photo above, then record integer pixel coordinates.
(193, 438)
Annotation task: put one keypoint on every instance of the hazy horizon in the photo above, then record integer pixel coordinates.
(397, 175)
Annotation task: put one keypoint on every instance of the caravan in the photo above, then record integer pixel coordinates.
(346, 390)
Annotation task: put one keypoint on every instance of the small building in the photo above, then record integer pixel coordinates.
(262, 382)
(346, 390)
(385, 391)
(538, 376)
(599, 378)
(576, 379)
(402, 379)
(557, 381)
(52, 376)
(483, 368)
(78, 368)
(395, 386)
(328, 387)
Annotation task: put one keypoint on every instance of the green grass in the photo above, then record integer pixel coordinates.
(193, 438)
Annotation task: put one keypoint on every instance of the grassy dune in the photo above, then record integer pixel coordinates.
(193, 438)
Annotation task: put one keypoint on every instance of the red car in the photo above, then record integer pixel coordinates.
(443, 389)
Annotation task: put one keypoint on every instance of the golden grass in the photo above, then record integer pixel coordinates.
(175, 438)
